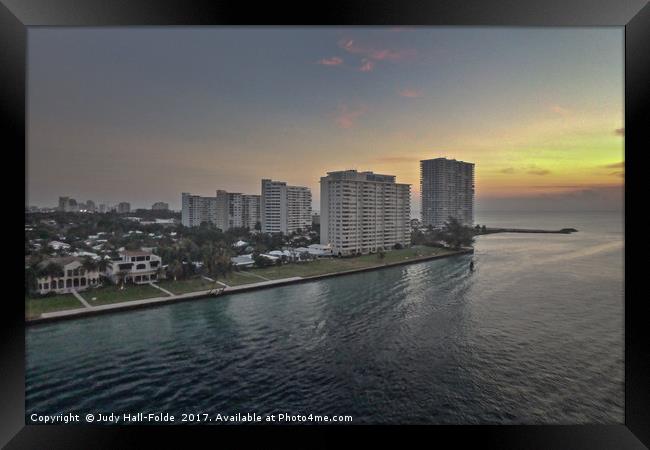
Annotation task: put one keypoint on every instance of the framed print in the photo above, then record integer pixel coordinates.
(373, 222)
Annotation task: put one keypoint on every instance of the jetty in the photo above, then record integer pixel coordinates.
(526, 230)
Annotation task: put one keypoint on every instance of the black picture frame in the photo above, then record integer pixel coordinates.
(634, 15)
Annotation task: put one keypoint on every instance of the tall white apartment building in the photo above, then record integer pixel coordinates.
(236, 210)
(284, 209)
(447, 188)
(362, 212)
(197, 209)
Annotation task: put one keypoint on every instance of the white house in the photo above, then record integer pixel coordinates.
(242, 261)
(88, 254)
(73, 276)
(281, 253)
(136, 266)
(57, 245)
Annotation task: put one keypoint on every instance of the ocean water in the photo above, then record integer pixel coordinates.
(534, 335)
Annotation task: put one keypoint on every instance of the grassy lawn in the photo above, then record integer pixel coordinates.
(113, 294)
(332, 265)
(36, 306)
(239, 278)
(318, 267)
(185, 286)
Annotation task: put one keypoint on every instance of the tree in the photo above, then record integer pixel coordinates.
(216, 260)
(258, 226)
(417, 237)
(53, 270)
(89, 265)
(121, 276)
(262, 261)
(175, 268)
(159, 272)
(102, 265)
(457, 235)
(381, 254)
(31, 280)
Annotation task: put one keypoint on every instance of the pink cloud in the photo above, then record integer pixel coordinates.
(410, 93)
(367, 65)
(557, 109)
(376, 54)
(346, 117)
(333, 61)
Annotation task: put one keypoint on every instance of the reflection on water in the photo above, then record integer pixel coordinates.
(533, 335)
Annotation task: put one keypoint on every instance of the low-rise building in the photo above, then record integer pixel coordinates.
(57, 245)
(160, 206)
(134, 266)
(242, 261)
(73, 276)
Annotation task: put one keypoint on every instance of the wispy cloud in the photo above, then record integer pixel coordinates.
(620, 131)
(410, 93)
(557, 109)
(346, 117)
(397, 159)
(508, 170)
(539, 172)
(575, 186)
(618, 165)
(370, 55)
(366, 65)
(333, 61)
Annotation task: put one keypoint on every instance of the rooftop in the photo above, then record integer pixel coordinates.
(135, 253)
(63, 261)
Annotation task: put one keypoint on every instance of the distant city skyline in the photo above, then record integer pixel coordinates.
(141, 115)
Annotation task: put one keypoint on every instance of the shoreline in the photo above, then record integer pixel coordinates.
(76, 313)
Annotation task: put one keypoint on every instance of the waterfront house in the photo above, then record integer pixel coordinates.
(73, 276)
(57, 245)
(136, 266)
(242, 261)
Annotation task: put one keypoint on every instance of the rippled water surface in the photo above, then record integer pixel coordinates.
(533, 335)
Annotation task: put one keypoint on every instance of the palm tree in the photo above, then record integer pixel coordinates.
(176, 269)
(121, 275)
(159, 272)
(89, 265)
(53, 270)
(102, 265)
(31, 280)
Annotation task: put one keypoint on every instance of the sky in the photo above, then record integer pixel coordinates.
(143, 114)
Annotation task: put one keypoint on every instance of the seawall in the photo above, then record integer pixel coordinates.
(204, 295)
